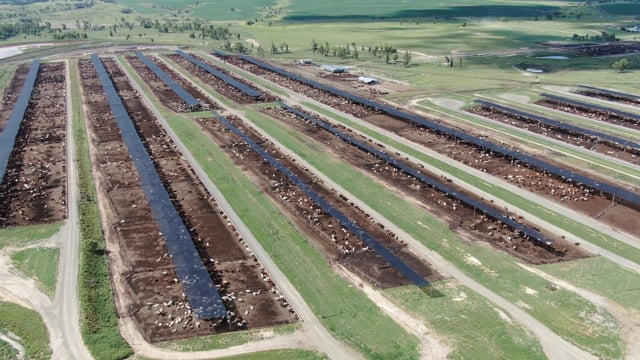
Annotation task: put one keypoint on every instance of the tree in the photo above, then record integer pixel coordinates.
(620, 65)
(406, 58)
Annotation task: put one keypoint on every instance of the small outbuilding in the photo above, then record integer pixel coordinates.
(333, 69)
(368, 80)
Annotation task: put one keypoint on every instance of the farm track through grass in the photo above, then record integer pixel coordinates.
(458, 314)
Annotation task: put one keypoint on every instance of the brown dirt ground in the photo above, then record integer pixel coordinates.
(33, 190)
(324, 231)
(597, 49)
(145, 279)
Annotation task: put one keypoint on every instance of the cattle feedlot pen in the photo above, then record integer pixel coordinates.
(194, 277)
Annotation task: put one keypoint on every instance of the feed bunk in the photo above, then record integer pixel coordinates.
(565, 174)
(10, 130)
(348, 224)
(623, 115)
(198, 285)
(529, 117)
(222, 76)
(191, 101)
(487, 210)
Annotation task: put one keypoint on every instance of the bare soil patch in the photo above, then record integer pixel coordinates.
(596, 49)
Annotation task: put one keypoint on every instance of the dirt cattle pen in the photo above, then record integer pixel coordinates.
(144, 278)
(11, 93)
(595, 114)
(162, 91)
(460, 218)
(628, 99)
(217, 84)
(323, 230)
(588, 142)
(578, 197)
(33, 190)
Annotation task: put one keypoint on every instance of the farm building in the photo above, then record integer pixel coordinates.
(368, 80)
(333, 68)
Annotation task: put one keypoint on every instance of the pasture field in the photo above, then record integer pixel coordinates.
(220, 10)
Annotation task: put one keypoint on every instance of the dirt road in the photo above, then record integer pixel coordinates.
(66, 301)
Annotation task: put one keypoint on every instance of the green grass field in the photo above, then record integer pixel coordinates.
(18, 236)
(459, 313)
(40, 264)
(29, 327)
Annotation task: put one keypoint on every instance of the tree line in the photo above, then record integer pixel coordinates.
(383, 52)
